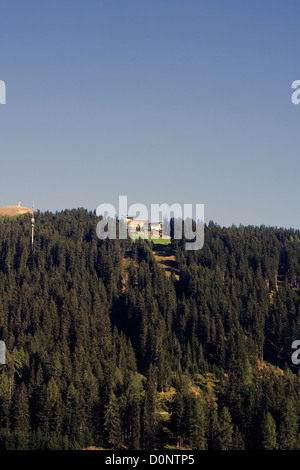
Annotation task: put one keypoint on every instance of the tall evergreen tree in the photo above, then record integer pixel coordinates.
(288, 431)
(198, 427)
(225, 430)
(112, 422)
(150, 416)
(269, 435)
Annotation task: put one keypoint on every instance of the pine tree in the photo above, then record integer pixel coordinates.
(238, 441)
(288, 431)
(21, 415)
(269, 435)
(72, 412)
(150, 416)
(112, 423)
(225, 430)
(177, 417)
(198, 427)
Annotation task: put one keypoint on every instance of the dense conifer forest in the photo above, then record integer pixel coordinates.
(104, 349)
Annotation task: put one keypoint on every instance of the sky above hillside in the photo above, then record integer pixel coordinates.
(163, 101)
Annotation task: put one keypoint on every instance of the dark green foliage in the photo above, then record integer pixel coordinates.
(269, 435)
(112, 422)
(103, 347)
(225, 430)
(150, 412)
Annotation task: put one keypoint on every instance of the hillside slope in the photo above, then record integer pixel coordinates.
(13, 211)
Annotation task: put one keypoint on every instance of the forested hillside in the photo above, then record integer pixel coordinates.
(104, 349)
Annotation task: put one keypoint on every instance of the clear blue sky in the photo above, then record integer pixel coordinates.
(161, 100)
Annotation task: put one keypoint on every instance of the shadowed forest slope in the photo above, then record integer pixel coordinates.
(105, 349)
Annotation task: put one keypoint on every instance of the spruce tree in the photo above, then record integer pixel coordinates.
(288, 431)
(198, 426)
(225, 430)
(112, 422)
(269, 435)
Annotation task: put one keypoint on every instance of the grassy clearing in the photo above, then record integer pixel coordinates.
(156, 241)
(161, 241)
(165, 256)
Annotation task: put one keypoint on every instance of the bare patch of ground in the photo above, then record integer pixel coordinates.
(12, 211)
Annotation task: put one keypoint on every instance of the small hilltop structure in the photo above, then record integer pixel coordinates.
(12, 211)
(151, 230)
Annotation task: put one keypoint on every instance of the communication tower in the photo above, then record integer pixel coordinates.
(32, 226)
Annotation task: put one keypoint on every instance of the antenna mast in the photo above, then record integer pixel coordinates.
(32, 225)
